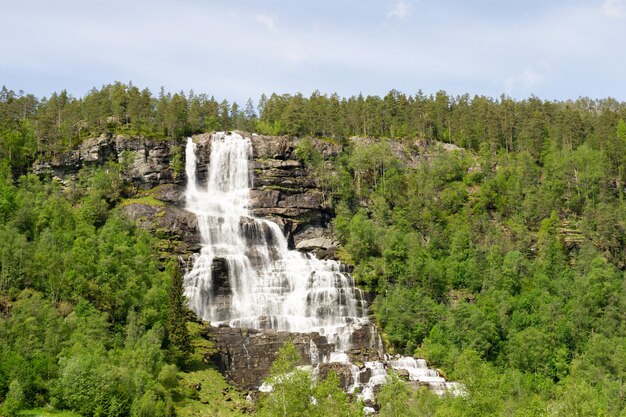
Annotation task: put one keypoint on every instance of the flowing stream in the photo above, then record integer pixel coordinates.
(270, 286)
(245, 275)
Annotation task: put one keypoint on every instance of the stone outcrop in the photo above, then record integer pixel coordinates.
(284, 190)
(145, 162)
(246, 356)
(148, 161)
(177, 227)
(343, 371)
(161, 212)
(298, 205)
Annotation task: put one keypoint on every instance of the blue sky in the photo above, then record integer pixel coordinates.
(238, 49)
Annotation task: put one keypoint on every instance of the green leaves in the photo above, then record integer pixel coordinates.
(177, 335)
(295, 394)
(70, 287)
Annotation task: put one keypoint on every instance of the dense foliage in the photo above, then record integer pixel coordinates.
(83, 303)
(295, 394)
(511, 261)
(501, 262)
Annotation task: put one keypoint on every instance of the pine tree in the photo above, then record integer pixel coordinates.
(178, 342)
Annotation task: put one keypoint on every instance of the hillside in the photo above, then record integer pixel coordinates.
(489, 235)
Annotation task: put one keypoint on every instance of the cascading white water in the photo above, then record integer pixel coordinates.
(245, 275)
(269, 285)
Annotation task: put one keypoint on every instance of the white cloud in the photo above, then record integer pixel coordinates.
(530, 77)
(613, 8)
(266, 21)
(294, 52)
(400, 10)
(526, 80)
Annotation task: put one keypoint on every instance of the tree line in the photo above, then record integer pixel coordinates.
(32, 126)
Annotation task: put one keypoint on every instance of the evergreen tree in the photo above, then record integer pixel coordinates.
(178, 341)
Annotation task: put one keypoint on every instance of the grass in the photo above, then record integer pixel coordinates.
(146, 199)
(210, 394)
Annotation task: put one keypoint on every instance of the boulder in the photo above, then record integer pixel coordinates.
(315, 243)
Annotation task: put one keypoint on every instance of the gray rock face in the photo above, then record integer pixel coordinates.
(246, 356)
(178, 226)
(148, 161)
(315, 243)
(284, 191)
(342, 370)
(173, 194)
(145, 162)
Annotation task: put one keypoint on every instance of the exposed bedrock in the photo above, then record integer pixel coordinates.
(246, 355)
(146, 163)
(284, 191)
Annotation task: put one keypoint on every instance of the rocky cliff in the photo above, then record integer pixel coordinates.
(246, 356)
(284, 191)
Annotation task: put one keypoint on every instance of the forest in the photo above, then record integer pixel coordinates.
(500, 259)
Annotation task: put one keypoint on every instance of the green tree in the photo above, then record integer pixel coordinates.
(179, 345)
(14, 400)
(291, 387)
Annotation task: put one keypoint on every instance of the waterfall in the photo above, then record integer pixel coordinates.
(245, 275)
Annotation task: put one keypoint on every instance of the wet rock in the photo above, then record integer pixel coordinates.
(365, 375)
(219, 276)
(342, 370)
(403, 374)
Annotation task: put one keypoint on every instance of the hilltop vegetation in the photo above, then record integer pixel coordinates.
(501, 262)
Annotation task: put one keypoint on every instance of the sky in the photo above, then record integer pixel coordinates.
(553, 49)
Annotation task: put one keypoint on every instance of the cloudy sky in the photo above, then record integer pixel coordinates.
(554, 49)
